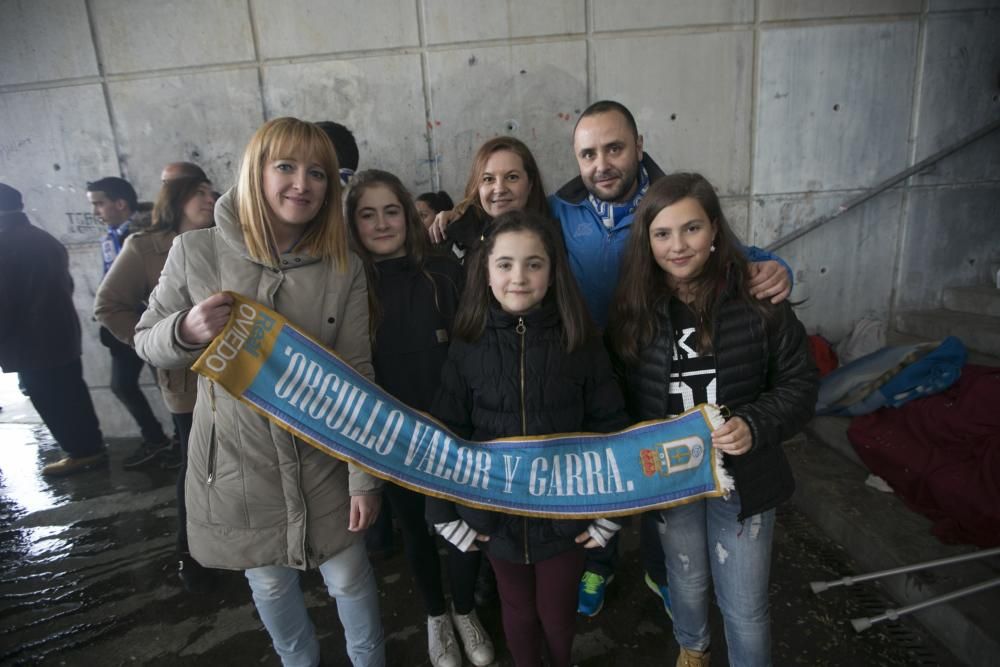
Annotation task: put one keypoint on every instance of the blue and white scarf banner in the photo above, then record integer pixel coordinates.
(304, 388)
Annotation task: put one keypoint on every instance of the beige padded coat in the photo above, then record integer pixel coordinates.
(122, 296)
(255, 495)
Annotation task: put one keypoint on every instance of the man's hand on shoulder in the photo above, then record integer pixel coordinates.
(769, 280)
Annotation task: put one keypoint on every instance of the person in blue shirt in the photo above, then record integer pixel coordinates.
(595, 209)
(114, 202)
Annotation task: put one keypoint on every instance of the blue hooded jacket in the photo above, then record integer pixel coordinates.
(595, 252)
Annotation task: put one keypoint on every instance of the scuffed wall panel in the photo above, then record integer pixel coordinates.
(953, 239)
(140, 35)
(822, 92)
(205, 118)
(771, 10)
(45, 40)
(533, 92)
(448, 21)
(737, 212)
(692, 123)
(961, 93)
(307, 27)
(844, 270)
(54, 141)
(642, 14)
(381, 100)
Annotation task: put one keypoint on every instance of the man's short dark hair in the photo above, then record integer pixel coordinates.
(115, 188)
(343, 142)
(604, 106)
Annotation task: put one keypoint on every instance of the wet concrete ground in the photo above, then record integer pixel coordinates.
(88, 577)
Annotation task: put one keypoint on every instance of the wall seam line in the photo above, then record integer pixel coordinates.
(754, 70)
(902, 223)
(109, 107)
(258, 63)
(425, 82)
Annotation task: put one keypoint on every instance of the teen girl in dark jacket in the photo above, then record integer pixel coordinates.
(413, 297)
(686, 331)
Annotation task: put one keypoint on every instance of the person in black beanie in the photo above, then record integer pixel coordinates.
(40, 336)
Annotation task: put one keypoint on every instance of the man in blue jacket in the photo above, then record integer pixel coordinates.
(595, 211)
(596, 208)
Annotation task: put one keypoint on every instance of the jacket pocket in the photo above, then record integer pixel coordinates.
(213, 447)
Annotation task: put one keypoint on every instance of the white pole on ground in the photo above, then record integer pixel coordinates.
(862, 624)
(820, 586)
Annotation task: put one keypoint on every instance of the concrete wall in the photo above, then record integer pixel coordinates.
(790, 107)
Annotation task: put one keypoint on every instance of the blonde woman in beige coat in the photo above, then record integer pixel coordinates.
(259, 499)
(183, 205)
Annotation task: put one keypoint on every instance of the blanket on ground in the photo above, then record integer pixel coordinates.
(941, 455)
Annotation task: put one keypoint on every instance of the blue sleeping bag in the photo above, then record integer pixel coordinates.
(891, 377)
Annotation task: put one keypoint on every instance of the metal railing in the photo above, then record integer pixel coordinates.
(885, 185)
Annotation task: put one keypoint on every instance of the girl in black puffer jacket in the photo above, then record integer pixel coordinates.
(687, 331)
(524, 362)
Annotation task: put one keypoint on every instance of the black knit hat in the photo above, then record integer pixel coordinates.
(10, 199)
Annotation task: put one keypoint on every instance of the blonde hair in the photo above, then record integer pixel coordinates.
(325, 236)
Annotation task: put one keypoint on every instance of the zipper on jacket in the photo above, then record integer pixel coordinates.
(520, 329)
(212, 441)
(306, 550)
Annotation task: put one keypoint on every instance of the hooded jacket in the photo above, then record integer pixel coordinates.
(255, 494)
(121, 298)
(595, 251)
(511, 383)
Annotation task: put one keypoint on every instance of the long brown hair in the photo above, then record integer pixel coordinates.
(642, 286)
(536, 197)
(168, 212)
(416, 245)
(325, 236)
(474, 306)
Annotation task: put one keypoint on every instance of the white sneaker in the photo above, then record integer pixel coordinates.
(441, 645)
(477, 643)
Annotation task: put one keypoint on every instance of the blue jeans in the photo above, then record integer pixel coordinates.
(350, 580)
(704, 543)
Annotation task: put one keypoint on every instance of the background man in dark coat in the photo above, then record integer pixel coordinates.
(40, 335)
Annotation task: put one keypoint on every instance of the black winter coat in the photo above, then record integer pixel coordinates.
(39, 327)
(765, 375)
(511, 383)
(417, 310)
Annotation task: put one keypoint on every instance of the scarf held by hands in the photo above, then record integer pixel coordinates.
(306, 389)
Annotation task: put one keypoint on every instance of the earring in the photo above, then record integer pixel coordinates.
(712, 249)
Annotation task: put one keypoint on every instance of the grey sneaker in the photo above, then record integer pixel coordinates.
(145, 453)
(442, 648)
(478, 646)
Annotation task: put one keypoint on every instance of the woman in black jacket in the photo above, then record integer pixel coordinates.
(686, 330)
(413, 296)
(525, 362)
(504, 177)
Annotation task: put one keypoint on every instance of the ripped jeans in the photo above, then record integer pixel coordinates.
(705, 544)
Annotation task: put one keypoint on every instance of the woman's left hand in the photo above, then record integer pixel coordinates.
(364, 511)
(733, 437)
